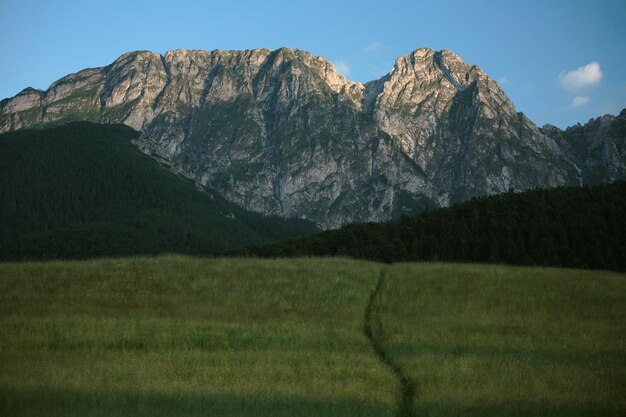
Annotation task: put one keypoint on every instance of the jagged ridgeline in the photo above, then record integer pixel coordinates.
(281, 132)
(84, 190)
(581, 227)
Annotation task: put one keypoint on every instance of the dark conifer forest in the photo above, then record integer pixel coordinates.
(570, 227)
(84, 190)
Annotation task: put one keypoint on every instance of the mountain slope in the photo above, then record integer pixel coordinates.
(597, 150)
(281, 132)
(461, 128)
(84, 190)
(572, 226)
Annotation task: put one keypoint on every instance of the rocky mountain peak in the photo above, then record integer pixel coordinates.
(282, 132)
(551, 130)
(26, 99)
(423, 86)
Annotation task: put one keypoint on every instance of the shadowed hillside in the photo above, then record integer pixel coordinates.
(84, 190)
(573, 227)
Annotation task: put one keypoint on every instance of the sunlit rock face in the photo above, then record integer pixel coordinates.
(596, 150)
(282, 132)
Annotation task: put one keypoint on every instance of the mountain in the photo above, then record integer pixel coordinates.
(83, 190)
(281, 132)
(461, 129)
(581, 227)
(597, 149)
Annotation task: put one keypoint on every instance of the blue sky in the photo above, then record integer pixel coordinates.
(560, 62)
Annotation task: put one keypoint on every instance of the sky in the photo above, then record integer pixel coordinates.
(560, 62)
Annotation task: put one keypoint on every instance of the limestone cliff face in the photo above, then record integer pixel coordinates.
(462, 130)
(596, 150)
(281, 132)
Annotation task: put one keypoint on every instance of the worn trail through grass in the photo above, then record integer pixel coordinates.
(374, 331)
(176, 336)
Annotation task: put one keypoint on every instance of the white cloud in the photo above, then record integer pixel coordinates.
(375, 47)
(342, 68)
(580, 101)
(581, 78)
(504, 81)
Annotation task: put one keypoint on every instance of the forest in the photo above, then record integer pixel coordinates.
(577, 227)
(84, 190)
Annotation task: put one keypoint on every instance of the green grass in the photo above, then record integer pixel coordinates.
(505, 341)
(182, 336)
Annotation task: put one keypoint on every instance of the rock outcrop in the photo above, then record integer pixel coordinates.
(461, 129)
(281, 132)
(596, 150)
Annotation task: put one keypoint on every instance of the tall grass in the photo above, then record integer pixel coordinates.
(182, 336)
(504, 341)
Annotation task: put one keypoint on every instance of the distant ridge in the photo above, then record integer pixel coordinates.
(281, 132)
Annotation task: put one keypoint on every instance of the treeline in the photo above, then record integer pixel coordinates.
(84, 190)
(568, 227)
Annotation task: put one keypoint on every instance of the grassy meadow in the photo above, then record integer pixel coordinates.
(178, 336)
(183, 336)
(507, 341)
